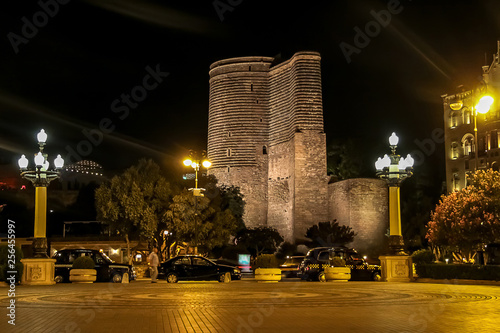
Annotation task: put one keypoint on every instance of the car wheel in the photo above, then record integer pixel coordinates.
(117, 278)
(225, 278)
(172, 278)
(59, 279)
(322, 277)
(376, 276)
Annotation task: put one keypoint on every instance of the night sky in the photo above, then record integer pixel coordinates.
(69, 75)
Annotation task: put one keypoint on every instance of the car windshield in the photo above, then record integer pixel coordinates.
(104, 257)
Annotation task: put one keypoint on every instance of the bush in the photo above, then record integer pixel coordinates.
(84, 263)
(458, 271)
(338, 262)
(266, 261)
(5, 251)
(422, 256)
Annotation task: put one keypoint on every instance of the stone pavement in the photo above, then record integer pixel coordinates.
(247, 306)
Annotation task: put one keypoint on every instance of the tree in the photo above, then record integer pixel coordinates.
(259, 239)
(135, 202)
(218, 215)
(330, 234)
(344, 160)
(467, 218)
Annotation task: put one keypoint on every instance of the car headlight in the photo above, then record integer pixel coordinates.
(236, 271)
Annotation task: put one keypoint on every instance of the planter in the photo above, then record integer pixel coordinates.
(268, 274)
(338, 274)
(79, 275)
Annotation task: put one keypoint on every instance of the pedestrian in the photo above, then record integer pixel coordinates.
(153, 263)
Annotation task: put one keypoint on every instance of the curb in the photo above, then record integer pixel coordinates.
(459, 281)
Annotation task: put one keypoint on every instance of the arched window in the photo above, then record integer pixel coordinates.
(453, 120)
(264, 150)
(468, 144)
(454, 151)
(467, 116)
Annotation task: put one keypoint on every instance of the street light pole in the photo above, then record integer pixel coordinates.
(195, 163)
(394, 169)
(482, 107)
(39, 270)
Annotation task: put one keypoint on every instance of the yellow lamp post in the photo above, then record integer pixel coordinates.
(482, 107)
(40, 269)
(195, 163)
(396, 266)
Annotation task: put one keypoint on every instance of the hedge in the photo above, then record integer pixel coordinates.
(458, 271)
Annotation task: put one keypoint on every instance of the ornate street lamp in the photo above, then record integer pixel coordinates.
(482, 107)
(394, 169)
(195, 162)
(41, 177)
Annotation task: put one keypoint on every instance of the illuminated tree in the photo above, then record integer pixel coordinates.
(467, 218)
(135, 202)
(260, 239)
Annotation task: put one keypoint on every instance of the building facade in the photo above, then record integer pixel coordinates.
(266, 135)
(463, 155)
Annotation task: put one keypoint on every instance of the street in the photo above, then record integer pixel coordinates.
(249, 306)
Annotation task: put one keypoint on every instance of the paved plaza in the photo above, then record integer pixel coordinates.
(248, 306)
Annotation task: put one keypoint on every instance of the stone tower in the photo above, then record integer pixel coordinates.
(265, 135)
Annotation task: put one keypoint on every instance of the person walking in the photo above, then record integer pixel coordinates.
(153, 263)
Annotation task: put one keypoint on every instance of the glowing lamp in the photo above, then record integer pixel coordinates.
(386, 161)
(409, 161)
(59, 162)
(393, 139)
(206, 164)
(42, 136)
(402, 164)
(23, 162)
(484, 104)
(187, 162)
(39, 159)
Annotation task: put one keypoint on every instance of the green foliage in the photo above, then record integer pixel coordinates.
(214, 218)
(344, 160)
(330, 234)
(84, 262)
(134, 202)
(266, 261)
(422, 256)
(338, 262)
(458, 271)
(14, 252)
(469, 217)
(259, 239)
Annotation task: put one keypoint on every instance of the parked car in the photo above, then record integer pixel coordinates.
(106, 269)
(192, 267)
(317, 259)
(290, 268)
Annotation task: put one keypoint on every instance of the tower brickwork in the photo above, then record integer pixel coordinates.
(266, 136)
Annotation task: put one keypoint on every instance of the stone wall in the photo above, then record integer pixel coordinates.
(362, 204)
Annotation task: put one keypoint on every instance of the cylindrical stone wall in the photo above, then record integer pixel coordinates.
(362, 204)
(238, 130)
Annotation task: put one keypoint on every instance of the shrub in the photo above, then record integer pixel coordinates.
(266, 261)
(338, 262)
(5, 251)
(84, 263)
(458, 271)
(422, 256)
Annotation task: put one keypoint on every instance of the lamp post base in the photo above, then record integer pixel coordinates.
(40, 247)
(38, 271)
(397, 245)
(396, 268)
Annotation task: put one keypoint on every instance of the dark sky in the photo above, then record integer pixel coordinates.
(66, 75)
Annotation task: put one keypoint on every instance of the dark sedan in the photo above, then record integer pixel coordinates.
(106, 269)
(190, 267)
